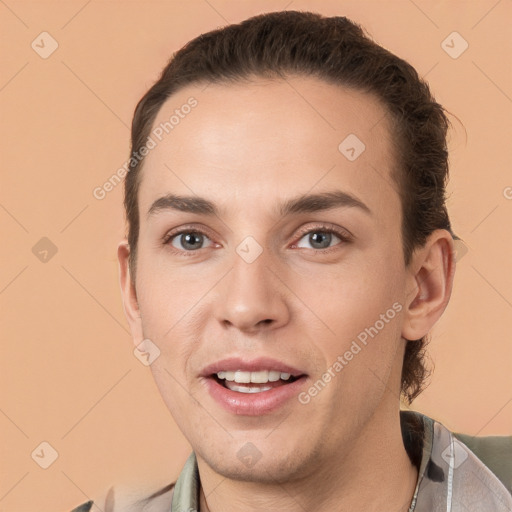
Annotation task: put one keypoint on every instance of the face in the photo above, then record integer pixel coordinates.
(253, 278)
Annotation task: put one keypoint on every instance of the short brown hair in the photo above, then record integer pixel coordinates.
(336, 50)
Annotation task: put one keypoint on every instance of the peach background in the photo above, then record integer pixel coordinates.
(68, 373)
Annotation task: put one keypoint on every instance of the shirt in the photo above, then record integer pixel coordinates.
(451, 478)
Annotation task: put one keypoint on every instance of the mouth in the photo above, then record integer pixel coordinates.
(252, 388)
(253, 382)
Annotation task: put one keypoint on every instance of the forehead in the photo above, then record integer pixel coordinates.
(250, 143)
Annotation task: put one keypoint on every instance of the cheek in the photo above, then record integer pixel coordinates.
(177, 401)
(351, 298)
(164, 294)
(166, 309)
(359, 314)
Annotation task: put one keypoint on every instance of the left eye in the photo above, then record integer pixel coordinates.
(189, 240)
(320, 239)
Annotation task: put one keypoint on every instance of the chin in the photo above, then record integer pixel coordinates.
(268, 466)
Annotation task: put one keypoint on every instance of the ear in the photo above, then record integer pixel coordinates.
(128, 292)
(430, 283)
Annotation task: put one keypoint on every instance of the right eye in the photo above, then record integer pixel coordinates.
(186, 240)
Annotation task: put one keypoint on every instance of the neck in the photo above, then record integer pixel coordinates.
(376, 474)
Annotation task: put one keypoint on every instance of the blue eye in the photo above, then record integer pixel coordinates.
(320, 239)
(188, 239)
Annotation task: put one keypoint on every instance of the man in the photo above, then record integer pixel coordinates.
(288, 251)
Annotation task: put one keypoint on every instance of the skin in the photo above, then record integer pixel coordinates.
(247, 148)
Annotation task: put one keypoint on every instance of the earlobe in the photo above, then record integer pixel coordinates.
(432, 271)
(128, 291)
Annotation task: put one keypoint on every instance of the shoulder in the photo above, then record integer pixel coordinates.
(474, 473)
(125, 499)
(466, 475)
(495, 452)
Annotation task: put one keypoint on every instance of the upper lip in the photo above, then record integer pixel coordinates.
(232, 364)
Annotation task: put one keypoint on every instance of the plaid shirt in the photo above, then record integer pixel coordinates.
(451, 478)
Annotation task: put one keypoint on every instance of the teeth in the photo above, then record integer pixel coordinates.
(246, 389)
(242, 377)
(261, 377)
(272, 376)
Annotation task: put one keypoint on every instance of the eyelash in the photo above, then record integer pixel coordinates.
(343, 235)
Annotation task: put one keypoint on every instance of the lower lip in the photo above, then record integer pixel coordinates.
(253, 404)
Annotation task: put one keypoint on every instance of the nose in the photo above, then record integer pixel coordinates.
(252, 297)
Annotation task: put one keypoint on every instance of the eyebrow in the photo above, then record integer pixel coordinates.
(306, 203)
